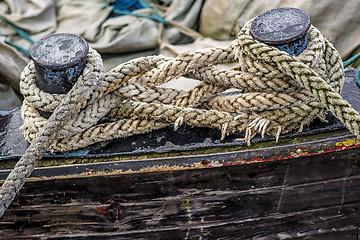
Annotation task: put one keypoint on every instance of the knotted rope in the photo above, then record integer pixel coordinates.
(278, 94)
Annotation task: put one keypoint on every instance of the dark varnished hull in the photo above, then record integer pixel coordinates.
(307, 186)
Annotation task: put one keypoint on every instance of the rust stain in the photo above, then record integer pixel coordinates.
(111, 210)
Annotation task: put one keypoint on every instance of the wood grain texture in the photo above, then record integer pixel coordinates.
(315, 197)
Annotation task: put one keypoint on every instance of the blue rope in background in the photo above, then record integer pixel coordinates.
(349, 62)
(21, 49)
(125, 7)
(22, 34)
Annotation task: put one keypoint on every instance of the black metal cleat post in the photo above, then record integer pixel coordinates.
(283, 28)
(59, 60)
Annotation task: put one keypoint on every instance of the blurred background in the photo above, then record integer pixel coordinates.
(124, 29)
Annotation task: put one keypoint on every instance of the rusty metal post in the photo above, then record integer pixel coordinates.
(59, 60)
(283, 28)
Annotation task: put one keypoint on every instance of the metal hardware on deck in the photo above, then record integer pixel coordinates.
(59, 60)
(283, 28)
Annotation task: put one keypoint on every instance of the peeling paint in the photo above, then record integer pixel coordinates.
(347, 143)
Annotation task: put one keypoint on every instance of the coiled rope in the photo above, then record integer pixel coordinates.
(279, 93)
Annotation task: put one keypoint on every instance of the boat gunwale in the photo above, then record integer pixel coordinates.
(212, 160)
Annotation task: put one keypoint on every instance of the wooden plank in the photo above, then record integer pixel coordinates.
(313, 197)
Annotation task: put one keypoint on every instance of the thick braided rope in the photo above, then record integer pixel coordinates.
(277, 93)
(187, 99)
